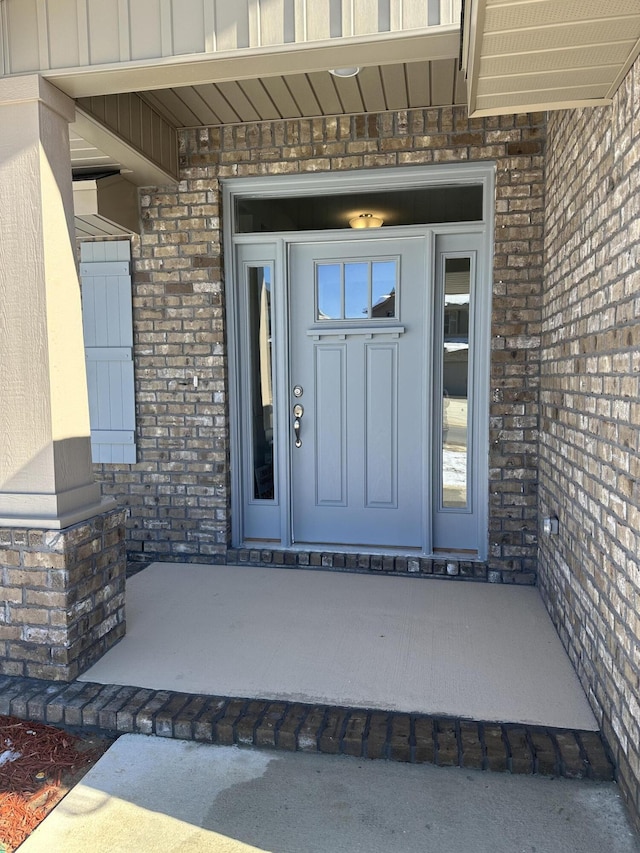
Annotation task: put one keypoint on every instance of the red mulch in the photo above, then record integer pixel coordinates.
(50, 762)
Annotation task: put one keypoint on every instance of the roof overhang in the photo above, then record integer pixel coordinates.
(533, 55)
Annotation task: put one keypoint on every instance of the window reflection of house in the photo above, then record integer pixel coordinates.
(455, 381)
(456, 343)
(386, 307)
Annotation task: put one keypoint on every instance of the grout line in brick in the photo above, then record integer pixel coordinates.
(259, 720)
(557, 750)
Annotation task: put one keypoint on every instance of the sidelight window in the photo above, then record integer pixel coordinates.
(455, 382)
(261, 380)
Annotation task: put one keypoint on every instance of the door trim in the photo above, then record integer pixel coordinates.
(312, 184)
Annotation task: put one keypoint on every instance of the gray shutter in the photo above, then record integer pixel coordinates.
(108, 340)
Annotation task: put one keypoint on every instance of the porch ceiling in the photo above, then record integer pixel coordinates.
(407, 85)
(531, 55)
(289, 96)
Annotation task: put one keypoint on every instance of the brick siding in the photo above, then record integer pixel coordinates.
(590, 408)
(62, 602)
(179, 492)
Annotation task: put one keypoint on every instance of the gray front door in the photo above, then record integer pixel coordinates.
(358, 365)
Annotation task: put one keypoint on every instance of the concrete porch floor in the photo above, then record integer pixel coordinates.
(412, 645)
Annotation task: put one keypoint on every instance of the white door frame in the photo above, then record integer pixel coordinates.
(275, 245)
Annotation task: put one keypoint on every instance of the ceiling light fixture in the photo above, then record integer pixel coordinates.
(366, 220)
(344, 72)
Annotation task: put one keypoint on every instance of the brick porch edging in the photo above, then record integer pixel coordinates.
(451, 568)
(413, 738)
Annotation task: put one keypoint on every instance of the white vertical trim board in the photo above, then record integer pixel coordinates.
(108, 337)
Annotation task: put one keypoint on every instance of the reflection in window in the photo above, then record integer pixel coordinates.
(357, 290)
(383, 289)
(329, 278)
(455, 382)
(261, 378)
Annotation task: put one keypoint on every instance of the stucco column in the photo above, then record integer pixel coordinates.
(46, 479)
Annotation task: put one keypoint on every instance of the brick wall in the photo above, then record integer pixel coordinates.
(178, 493)
(62, 601)
(590, 407)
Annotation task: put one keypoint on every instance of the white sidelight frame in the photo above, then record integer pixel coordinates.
(272, 247)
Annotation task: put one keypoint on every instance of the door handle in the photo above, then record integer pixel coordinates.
(298, 412)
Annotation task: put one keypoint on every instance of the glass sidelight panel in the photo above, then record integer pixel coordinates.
(455, 383)
(261, 381)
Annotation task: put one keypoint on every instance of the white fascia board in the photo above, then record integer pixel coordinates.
(472, 47)
(539, 107)
(432, 43)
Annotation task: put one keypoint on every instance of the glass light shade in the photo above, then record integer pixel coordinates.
(366, 220)
(344, 72)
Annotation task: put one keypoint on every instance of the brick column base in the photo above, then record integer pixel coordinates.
(62, 598)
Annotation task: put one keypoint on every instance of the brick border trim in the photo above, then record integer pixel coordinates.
(451, 568)
(413, 738)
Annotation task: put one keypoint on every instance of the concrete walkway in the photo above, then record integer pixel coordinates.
(150, 795)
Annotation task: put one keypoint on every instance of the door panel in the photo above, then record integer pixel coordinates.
(358, 351)
(381, 428)
(329, 426)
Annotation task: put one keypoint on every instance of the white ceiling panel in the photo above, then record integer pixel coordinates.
(349, 94)
(370, 84)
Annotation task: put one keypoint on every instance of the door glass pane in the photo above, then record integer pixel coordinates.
(455, 382)
(329, 305)
(261, 381)
(356, 291)
(383, 289)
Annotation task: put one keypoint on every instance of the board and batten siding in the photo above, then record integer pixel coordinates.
(108, 337)
(40, 35)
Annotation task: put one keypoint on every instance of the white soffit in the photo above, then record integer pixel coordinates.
(85, 157)
(531, 55)
(407, 85)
